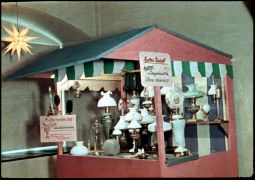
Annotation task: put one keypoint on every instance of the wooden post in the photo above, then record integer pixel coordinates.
(160, 131)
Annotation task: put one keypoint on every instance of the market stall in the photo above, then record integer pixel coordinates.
(197, 90)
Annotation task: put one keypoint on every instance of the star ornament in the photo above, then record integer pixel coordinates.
(17, 41)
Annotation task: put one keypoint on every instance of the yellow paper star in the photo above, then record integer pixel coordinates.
(18, 41)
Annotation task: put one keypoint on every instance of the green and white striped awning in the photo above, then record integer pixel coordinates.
(108, 66)
(93, 68)
(203, 69)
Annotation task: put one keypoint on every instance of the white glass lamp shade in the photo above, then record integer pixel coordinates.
(206, 108)
(122, 124)
(174, 88)
(212, 90)
(147, 119)
(166, 89)
(147, 91)
(174, 99)
(135, 100)
(133, 115)
(116, 132)
(146, 102)
(192, 91)
(79, 149)
(106, 100)
(134, 125)
(153, 127)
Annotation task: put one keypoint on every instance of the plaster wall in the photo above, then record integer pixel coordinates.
(226, 26)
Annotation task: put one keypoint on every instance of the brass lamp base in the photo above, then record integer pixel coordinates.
(191, 120)
(182, 154)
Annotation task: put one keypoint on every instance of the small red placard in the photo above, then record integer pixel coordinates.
(58, 128)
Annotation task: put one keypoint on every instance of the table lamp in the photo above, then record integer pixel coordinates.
(148, 94)
(107, 120)
(134, 127)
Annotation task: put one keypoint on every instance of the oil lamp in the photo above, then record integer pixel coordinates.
(148, 94)
(206, 108)
(51, 111)
(117, 133)
(107, 120)
(147, 119)
(174, 100)
(134, 127)
(97, 134)
(215, 93)
(122, 125)
(192, 94)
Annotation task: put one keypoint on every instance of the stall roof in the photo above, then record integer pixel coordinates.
(91, 51)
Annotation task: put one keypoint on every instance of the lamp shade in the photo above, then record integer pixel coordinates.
(106, 100)
(147, 119)
(116, 132)
(206, 108)
(134, 125)
(153, 126)
(122, 124)
(212, 90)
(133, 115)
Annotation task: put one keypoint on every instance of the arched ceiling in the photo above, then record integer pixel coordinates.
(51, 30)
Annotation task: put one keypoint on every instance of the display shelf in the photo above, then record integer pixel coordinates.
(206, 122)
(173, 160)
(222, 124)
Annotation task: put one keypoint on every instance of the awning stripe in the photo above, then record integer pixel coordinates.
(172, 68)
(201, 69)
(70, 72)
(177, 68)
(109, 66)
(209, 69)
(88, 69)
(194, 69)
(79, 71)
(129, 65)
(118, 66)
(186, 67)
(98, 67)
(61, 74)
(229, 70)
(216, 70)
(223, 70)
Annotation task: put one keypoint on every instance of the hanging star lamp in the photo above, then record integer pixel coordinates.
(17, 39)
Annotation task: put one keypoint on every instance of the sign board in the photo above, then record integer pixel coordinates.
(155, 69)
(58, 128)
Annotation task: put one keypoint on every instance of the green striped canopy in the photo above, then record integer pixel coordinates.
(95, 68)
(203, 69)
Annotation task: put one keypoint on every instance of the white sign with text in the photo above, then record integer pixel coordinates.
(58, 128)
(155, 69)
